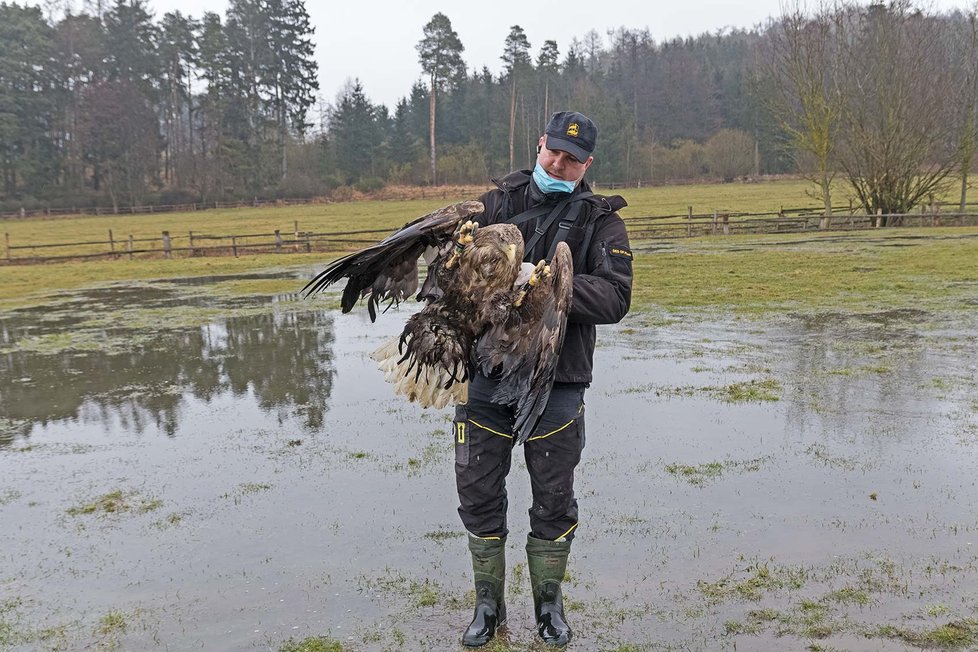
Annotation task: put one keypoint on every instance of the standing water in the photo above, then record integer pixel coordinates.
(184, 470)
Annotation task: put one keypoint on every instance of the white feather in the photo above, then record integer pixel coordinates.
(525, 270)
(428, 390)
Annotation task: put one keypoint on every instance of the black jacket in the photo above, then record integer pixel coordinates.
(602, 262)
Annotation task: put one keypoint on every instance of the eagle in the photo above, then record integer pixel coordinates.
(485, 310)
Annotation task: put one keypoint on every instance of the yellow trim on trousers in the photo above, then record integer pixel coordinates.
(495, 432)
(552, 432)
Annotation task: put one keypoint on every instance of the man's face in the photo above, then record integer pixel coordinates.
(561, 165)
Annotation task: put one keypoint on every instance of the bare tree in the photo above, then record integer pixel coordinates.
(730, 153)
(797, 65)
(898, 145)
(967, 87)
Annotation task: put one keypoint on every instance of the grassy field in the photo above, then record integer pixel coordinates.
(379, 214)
(743, 273)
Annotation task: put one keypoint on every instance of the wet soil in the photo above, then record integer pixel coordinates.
(185, 470)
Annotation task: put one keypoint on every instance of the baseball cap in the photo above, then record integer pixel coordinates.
(572, 132)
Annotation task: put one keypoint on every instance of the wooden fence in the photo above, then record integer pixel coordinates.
(733, 223)
(194, 244)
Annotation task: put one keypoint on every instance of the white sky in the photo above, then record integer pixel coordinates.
(374, 40)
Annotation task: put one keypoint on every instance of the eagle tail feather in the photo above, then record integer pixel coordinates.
(428, 385)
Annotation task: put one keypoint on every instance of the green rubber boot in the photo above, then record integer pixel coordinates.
(547, 561)
(489, 566)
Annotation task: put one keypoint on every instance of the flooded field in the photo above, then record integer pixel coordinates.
(185, 469)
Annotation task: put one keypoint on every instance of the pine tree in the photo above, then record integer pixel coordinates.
(355, 133)
(516, 56)
(28, 155)
(291, 76)
(440, 54)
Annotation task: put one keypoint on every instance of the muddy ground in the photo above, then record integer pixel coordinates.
(184, 469)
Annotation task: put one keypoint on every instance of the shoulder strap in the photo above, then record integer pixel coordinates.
(574, 201)
(563, 228)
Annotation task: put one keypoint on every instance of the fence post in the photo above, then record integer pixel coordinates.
(713, 229)
(6, 237)
(130, 246)
(308, 242)
(879, 218)
(234, 245)
(191, 235)
(726, 224)
(296, 239)
(689, 222)
(111, 244)
(278, 240)
(167, 245)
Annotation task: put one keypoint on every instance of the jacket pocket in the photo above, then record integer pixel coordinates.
(460, 431)
(604, 264)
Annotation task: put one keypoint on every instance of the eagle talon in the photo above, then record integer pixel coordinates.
(465, 233)
(464, 236)
(541, 272)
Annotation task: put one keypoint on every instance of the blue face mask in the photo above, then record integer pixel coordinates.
(548, 184)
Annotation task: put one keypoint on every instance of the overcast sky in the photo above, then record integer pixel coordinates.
(374, 40)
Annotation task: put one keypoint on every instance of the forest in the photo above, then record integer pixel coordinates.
(113, 106)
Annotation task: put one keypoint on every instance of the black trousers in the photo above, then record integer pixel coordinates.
(483, 454)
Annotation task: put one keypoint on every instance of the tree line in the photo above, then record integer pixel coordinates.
(117, 107)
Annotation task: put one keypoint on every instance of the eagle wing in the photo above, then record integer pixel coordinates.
(388, 270)
(522, 351)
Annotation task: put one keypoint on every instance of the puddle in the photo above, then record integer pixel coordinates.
(238, 474)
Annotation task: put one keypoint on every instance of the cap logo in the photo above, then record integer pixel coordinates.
(573, 129)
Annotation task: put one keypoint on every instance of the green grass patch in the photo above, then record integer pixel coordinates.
(702, 474)
(750, 391)
(810, 273)
(112, 623)
(313, 644)
(752, 583)
(848, 595)
(747, 391)
(696, 475)
(956, 635)
(8, 496)
(443, 535)
(115, 502)
(416, 594)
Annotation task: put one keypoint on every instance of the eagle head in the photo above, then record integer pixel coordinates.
(496, 253)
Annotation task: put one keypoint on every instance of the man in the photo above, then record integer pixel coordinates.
(549, 204)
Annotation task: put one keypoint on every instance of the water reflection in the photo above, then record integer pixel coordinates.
(843, 366)
(283, 358)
